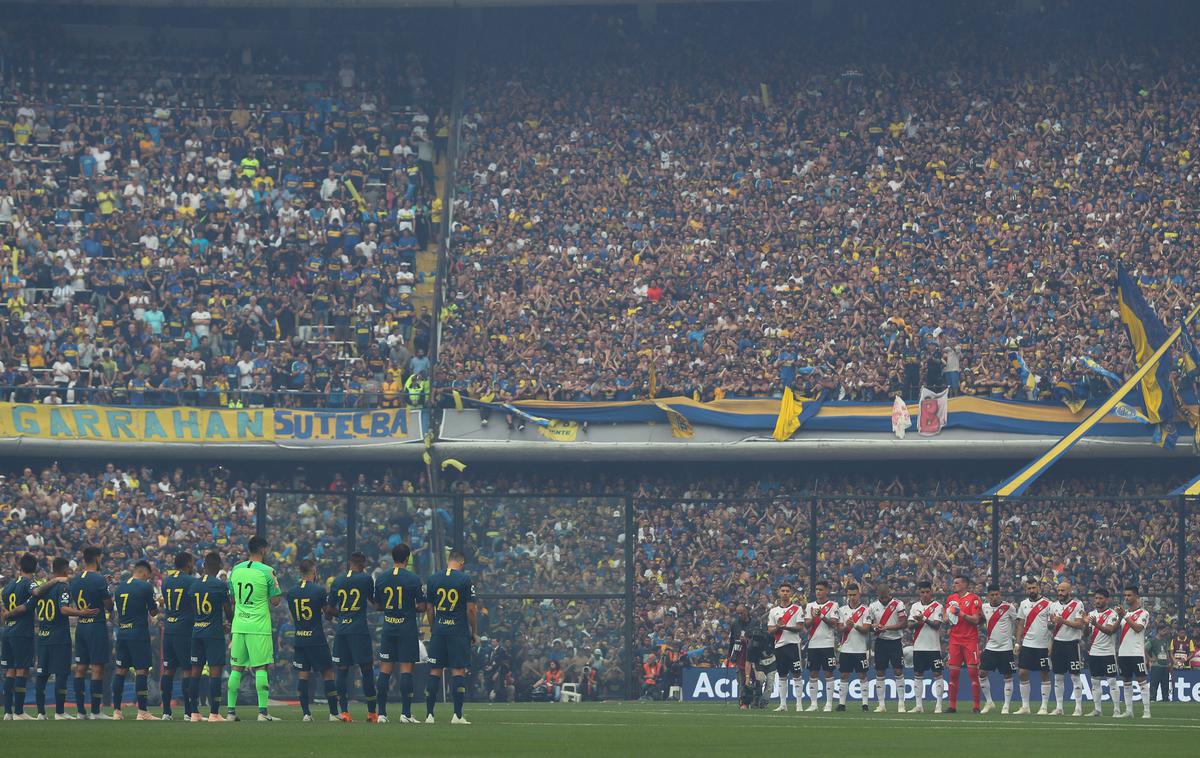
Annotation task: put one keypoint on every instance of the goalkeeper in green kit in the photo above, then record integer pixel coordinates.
(254, 590)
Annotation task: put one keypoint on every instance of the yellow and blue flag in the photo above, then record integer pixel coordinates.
(1147, 334)
(789, 416)
(1191, 489)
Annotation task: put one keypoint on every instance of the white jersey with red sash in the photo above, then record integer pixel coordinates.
(1102, 643)
(853, 641)
(1072, 610)
(925, 637)
(1034, 616)
(1131, 642)
(891, 612)
(781, 616)
(1001, 626)
(820, 634)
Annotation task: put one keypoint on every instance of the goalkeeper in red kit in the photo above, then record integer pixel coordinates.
(964, 613)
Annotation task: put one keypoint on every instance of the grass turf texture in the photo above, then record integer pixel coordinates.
(658, 729)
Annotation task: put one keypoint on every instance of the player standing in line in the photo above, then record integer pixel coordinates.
(822, 617)
(1131, 649)
(52, 606)
(1001, 619)
(1033, 644)
(16, 650)
(1102, 652)
(306, 602)
(888, 620)
(854, 625)
(135, 604)
(177, 632)
(89, 591)
(450, 598)
(784, 623)
(401, 596)
(926, 619)
(1067, 616)
(255, 590)
(210, 605)
(964, 613)
(348, 598)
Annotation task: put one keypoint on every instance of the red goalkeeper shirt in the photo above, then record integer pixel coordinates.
(964, 632)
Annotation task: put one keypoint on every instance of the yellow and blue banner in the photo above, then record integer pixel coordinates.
(1191, 489)
(1147, 334)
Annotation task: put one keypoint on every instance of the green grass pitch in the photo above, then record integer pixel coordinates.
(655, 729)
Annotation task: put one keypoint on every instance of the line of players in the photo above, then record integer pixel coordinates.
(196, 612)
(1036, 634)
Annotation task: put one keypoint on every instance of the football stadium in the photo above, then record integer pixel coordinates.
(597, 377)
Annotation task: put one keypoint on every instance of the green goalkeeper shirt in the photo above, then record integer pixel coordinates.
(252, 585)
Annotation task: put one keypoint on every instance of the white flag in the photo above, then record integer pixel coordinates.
(901, 421)
(931, 417)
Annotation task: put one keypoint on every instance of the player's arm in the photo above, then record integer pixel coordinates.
(471, 614)
(1135, 626)
(976, 618)
(274, 593)
(1019, 631)
(47, 585)
(901, 621)
(151, 604)
(66, 609)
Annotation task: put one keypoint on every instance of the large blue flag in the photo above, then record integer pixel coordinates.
(1147, 334)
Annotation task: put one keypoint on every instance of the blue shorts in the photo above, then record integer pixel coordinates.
(177, 651)
(312, 658)
(207, 651)
(16, 652)
(133, 654)
(54, 658)
(449, 651)
(401, 646)
(92, 647)
(352, 650)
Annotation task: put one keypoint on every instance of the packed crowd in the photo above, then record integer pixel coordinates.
(872, 218)
(203, 231)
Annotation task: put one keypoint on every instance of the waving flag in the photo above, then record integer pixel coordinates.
(1028, 378)
(1090, 364)
(789, 416)
(1147, 334)
(901, 421)
(933, 412)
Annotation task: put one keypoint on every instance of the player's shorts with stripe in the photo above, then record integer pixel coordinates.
(1001, 661)
(17, 652)
(54, 658)
(852, 663)
(1033, 659)
(889, 654)
(927, 660)
(787, 659)
(352, 649)
(1102, 665)
(449, 651)
(207, 651)
(1132, 666)
(92, 647)
(251, 649)
(822, 659)
(177, 651)
(1064, 658)
(400, 646)
(312, 658)
(133, 654)
(962, 652)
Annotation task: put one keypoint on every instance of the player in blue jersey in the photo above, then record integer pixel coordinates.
(450, 598)
(306, 602)
(16, 650)
(401, 596)
(348, 598)
(135, 605)
(177, 632)
(53, 611)
(211, 606)
(89, 591)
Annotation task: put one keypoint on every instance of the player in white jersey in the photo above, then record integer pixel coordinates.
(1000, 634)
(1102, 650)
(1033, 643)
(854, 625)
(785, 622)
(1067, 621)
(926, 618)
(822, 618)
(1131, 649)
(888, 620)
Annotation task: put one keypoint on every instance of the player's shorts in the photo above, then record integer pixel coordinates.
(927, 660)
(17, 652)
(92, 647)
(1001, 661)
(852, 663)
(251, 650)
(1101, 666)
(1132, 666)
(787, 659)
(312, 658)
(822, 659)
(448, 651)
(400, 647)
(133, 654)
(352, 649)
(889, 654)
(1064, 658)
(177, 651)
(207, 651)
(54, 658)
(1033, 659)
(962, 652)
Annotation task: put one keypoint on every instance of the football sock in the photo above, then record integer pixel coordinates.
(973, 674)
(141, 690)
(80, 694)
(431, 690)
(368, 685)
(406, 693)
(1045, 692)
(459, 684)
(97, 694)
(39, 692)
(1008, 683)
(214, 693)
(302, 690)
(231, 693)
(262, 687)
(1026, 688)
(60, 693)
(167, 686)
(381, 690)
(118, 693)
(985, 687)
(343, 686)
(331, 695)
